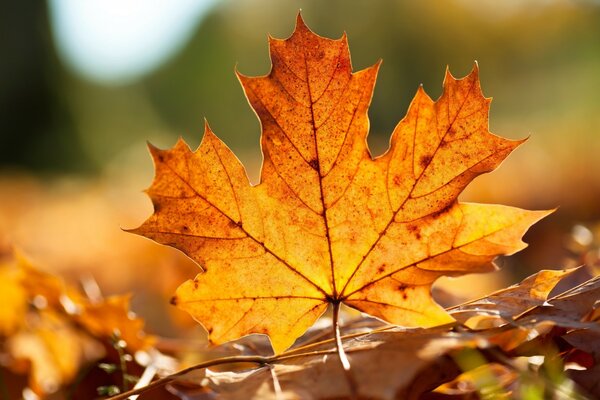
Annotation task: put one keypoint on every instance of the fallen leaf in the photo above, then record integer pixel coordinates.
(506, 304)
(328, 223)
(408, 373)
(51, 332)
(113, 318)
(56, 350)
(46, 290)
(588, 341)
(571, 308)
(496, 376)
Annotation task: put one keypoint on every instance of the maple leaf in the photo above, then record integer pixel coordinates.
(328, 223)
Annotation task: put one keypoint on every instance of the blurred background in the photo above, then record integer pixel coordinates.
(84, 84)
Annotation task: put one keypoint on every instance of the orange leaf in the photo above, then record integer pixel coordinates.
(112, 317)
(328, 223)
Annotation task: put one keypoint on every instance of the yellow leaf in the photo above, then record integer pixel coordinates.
(13, 299)
(55, 349)
(328, 223)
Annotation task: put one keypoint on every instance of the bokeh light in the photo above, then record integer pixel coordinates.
(116, 41)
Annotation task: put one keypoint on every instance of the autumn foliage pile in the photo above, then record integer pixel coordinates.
(329, 225)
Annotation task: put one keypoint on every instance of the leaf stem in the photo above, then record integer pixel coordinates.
(122, 363)
(342, 354)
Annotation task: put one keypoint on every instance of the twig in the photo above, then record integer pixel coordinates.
(276, 386)
(119, 345)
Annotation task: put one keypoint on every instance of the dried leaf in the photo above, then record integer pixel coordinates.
(328, 223)
(492, 375)
(505, 304)
(570, 308)
(112, 317)
(387, 364)
(588, 341)
(56, 350)
(52, 331)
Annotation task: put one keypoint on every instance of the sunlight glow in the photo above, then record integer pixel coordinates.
(118, 41)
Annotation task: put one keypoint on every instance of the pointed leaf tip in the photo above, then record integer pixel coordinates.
(448, 77)
(300, 21)
(181, 144)
(206, 126)
(151, 148)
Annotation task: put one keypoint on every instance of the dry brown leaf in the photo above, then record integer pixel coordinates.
(505, 304)
(390, 365)
(328, 223)
(570, 308)
(588, 341)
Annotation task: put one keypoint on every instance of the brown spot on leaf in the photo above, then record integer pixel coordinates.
(234, 224)
(414, 229)
(173, 300)
(425, 161)
(314, 163)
